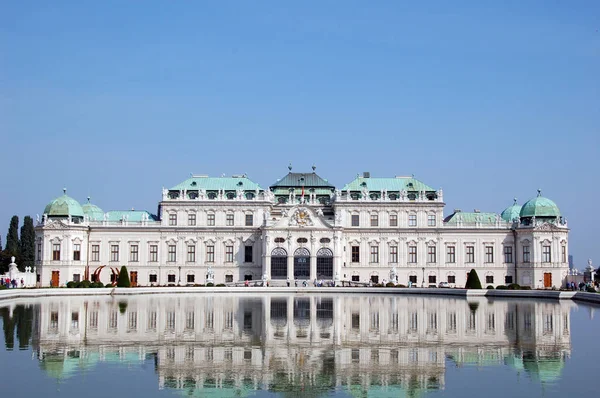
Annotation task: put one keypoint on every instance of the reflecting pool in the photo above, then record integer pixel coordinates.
(297, 345)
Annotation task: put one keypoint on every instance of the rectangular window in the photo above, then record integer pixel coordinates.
(56, 252)
(508, 279)
(546, 258)
(192, 219)
(249, 220)
(412, 278)
(393, 254)
(470, 254)
(526, 254)
(76, 277)
(451, 279)
(228, 278)
(508, 254)
(172, 253)
(39, 251)
(412, 220)
(228, 254)
(248, 254)
(153, 278)
(355, 278)
(489, 254)
(191, 278)
(355, 220)
(374, 254)
(374, 220)
(153, 253)
(76, 252)
(134, 253)
(489, 279)
(431, 220)
(191, 254)
(95, 252)
(563, 253)
(432, 279)
(355, 254)
(210, 254)
(451, 254)
(114, 252)
(171, 279)
(431, 254)
(412, 254)
(173, 219)
(393, 220)
(229, 220)
(210, 219)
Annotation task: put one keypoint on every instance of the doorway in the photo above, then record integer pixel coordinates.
(547, 279)
(133, 278)
(55, 278)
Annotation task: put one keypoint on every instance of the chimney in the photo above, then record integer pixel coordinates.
(476, 211)
(366, 174)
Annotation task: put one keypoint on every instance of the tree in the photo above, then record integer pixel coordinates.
(12, 239)
(123, 280)
(27, 244)
(473, 281)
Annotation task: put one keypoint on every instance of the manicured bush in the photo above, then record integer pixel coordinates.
(390, 284)
(210, 284)
(525, 287)
(109, 285)
(123, 280)
(473, 281)
(400, 285)
(490, 287)
(220, 285)
(122, 306)
(70, 284)
(86, 284)
(198, 285)
(514, 286)
(501, 287)
(2, 287)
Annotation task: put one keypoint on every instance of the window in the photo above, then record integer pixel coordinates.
(171, 279)
(95, 252)
(563, 253)
(191, 254)
(210, 254)
(489, 254)
(229, 220)
(153, 278)
(114, 252)
(393, 220)
(374, 254)
(249, 220)
(76, 277)
(76, 252)
(546, 258)
(526, 254)
(508, 254)
(412, 220)
(153, 253)
(248, 254)
(451, 279)
(374, 220)
(412, 254)
(431, 254)
(191, 278)
(56, 252)
(210, 219)
(470, 254)
(228, 278)
(355, 278)
(451, 254)
(393, 254)
(432, 279)
(172, 253)
(228, 254)
(355, 254)
(192, 219)
(133, 253)
(39, 251)
(355, 220)
(489, 279)
(173, 219)
(431, 220)
(508, 279)
(412, 278)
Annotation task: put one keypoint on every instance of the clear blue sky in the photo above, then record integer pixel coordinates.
(487, 99)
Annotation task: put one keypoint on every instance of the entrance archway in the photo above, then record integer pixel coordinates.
(324, 263)
(279, 263)
(302, 263)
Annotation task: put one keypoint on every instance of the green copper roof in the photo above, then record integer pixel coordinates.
(217, 183)
(64, 206)
(471, 218)
(302, 179)
(511, 212)
(132, 215)
(389, 184)
(540, 207)
(92, 211)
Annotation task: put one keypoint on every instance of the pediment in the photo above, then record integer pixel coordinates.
(302, 217)
(547, 227)
(56, 224)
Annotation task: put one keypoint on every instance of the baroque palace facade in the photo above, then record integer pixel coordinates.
(302, 228)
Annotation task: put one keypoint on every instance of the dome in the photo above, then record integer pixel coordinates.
(64, 206)
(540, 207)
(511, 212)
(92, 211)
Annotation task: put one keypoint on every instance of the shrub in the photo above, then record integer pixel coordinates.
(473, 281)
(210, 284)
(70, 284)
(514, 286)
(198, 285)
(109, 285)
(78, 285)
(220, 285)
(122, 306)
(501, 287)
(390, 284)
(590, 289)
(400, 285)
(85, 284)
(123, 280)
(490, 287)
(525, 287)
(2, 287)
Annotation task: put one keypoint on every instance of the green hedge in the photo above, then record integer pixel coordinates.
(490, 287)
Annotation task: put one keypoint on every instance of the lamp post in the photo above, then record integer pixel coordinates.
(423, 283)
(179, 282)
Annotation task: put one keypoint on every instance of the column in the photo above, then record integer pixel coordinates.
(290, 266)
(337, 260)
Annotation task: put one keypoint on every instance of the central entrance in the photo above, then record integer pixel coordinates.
(324, 263)
(302, 263)
(279, 263)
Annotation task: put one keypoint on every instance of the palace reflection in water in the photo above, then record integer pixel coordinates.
(288, 343)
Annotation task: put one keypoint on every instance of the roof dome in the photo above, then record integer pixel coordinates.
(92, 211)
(64, 206)
(512, 212)
(540, 207)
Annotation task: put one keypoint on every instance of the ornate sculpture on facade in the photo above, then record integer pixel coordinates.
(301, 218)
(37, 218)
(320, 212)
(210, 274)
(165, 192)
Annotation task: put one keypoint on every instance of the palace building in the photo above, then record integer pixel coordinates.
(302, 228)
